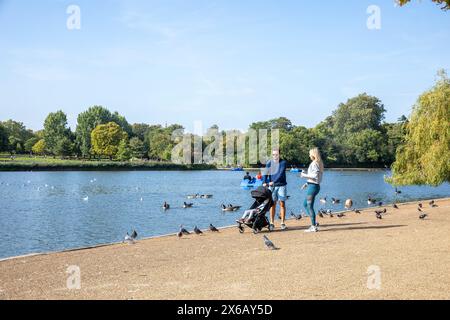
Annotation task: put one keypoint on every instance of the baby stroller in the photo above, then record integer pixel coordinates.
(263, 202)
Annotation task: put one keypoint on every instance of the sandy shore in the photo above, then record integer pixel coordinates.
(413, 257)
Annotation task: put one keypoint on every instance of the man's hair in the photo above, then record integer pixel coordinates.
(276, 149)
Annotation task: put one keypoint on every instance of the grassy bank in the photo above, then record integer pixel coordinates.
(50, 164)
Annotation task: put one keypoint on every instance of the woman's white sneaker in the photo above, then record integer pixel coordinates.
(312, 229)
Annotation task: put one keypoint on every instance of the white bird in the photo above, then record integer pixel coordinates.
(86, 198)
(142, 199)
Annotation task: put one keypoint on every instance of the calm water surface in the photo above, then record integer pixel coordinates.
(47, 211)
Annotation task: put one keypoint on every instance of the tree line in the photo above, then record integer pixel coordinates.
(355, 134)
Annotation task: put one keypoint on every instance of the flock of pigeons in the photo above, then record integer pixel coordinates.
(131, 239)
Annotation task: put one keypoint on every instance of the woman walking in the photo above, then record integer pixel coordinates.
(314, 176)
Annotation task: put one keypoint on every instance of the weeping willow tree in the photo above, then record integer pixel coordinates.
(445, 4)
(424, 158)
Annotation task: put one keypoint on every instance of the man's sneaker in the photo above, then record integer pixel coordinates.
(271, 227)
(283, 226)
(312, 229)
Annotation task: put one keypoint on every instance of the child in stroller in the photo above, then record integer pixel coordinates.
(255, 217)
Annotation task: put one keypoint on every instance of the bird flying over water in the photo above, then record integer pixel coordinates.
(335, 201)
(269, 244)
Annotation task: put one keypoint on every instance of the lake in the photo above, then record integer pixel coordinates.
(48, 211)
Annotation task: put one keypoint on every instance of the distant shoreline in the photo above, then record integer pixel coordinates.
(19, 167)
(54, 164)
(12, 166)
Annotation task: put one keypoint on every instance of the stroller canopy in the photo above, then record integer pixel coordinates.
(261, 193)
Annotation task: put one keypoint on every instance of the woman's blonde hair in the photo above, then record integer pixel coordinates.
(317, 157)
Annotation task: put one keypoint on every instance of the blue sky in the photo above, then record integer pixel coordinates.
(224, 62)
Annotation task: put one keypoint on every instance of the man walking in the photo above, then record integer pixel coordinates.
(275, 179)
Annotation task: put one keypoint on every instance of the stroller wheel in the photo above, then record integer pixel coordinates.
(255, 231)
(241, 229)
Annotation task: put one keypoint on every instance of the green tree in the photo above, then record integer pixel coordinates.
(39, 147)
(354, 123)
(367, 146)
(140, 130)
(56, 134)
(64, 147)
(123, 151)
(295, 145)
(17, 135)
(445, 4)
(137, 148)
(323, 138)
(3, 138)
(28, 146)
(281, 123)
(89, 120)
(106, 138)
(425, 156)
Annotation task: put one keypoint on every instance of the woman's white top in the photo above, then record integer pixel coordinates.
(314, 174)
